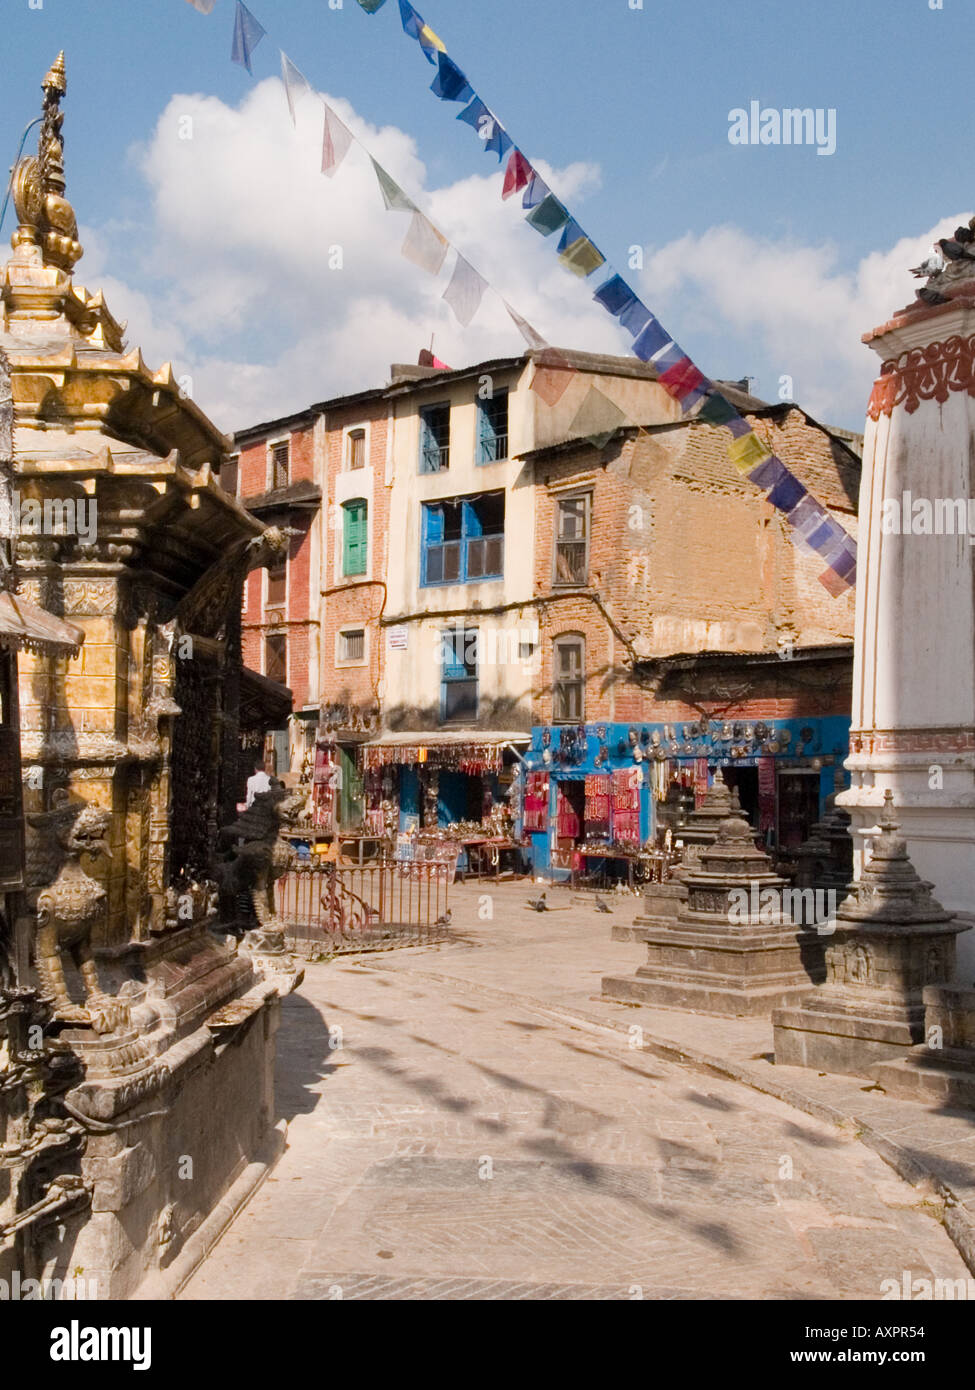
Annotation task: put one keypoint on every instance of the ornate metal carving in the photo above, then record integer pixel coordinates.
(924, 374)
(46, 217)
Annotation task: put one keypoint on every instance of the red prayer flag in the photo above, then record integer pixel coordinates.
(517, 175)
(681, 379)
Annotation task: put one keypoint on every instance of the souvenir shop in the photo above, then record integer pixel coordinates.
(453, 787)
(608, 792)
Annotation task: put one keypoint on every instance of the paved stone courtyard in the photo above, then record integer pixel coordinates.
(471, 1138)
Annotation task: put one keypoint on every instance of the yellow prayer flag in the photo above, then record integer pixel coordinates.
(427, 33)
(582, 258)
(747, 452)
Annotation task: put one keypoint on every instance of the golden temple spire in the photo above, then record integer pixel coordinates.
(47, 219)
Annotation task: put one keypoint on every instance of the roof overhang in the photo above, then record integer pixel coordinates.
(24, 625)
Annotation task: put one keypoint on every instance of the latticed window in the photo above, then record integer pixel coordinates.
(352, 645)
(357, 449)
(434, 438)
(355, 537)
(492, 428)
(277, 586)
(569, 684)
(229, 471)
(280, 465)
(463, 540)
(458, 688)
(276, 657)
(572, 526)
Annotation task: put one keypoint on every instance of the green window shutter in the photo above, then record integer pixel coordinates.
(355, 538)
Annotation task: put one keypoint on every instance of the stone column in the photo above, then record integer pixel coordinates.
(913, 728)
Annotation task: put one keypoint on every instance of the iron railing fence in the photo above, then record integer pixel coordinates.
(379, 906)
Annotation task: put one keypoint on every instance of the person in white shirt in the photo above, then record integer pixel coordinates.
(258, 782)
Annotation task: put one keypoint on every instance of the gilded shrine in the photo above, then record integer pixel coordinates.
(130, 753)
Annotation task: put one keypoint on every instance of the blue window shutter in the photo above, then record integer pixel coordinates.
(472, 522)
(433, 525)
(487, 436)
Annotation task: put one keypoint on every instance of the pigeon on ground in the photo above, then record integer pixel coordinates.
(444, 919)
(601, 906)
(537, 904)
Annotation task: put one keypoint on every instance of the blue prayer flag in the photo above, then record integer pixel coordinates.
(500, 142)
(450, 84)
(787, 492)
(668, 356)
(571, 233)
(769, 472)
(650, 338)
(635, 318)
(248, 33)
(536, 192)
(412, 22)
(615, 295)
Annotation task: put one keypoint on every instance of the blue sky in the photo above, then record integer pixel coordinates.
(759, 259)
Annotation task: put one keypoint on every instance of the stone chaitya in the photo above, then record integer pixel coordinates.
(891, 940)
(825, 858)
(662, 900)
(129, 752)
(730, 949)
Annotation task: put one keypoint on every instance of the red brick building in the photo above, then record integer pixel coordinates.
(681, 630)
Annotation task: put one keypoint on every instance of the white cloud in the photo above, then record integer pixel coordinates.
(230, 275)
(774, 308)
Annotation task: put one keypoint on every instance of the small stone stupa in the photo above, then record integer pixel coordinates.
(662, 900)
(826, 856)
(891, 940)
(730, 949)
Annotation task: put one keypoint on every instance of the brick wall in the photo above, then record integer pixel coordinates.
(299, 619)
(356, 602)
(687, 556)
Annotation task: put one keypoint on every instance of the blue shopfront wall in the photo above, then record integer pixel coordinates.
(409, 799)
(830, 740)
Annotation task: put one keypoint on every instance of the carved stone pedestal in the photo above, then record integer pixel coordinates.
(941, 1070)
(730, 949)
(176, 1104)
(891, 940)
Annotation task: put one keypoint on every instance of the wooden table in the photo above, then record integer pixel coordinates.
(584, 854)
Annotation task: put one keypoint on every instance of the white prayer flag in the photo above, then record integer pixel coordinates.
(204, 6)
(424, 245)
(294, 81)
(533, 339)
(336, 139)
(465, 291)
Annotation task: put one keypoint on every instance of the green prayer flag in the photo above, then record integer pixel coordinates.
(549, 216)
(597, 419)
(716, 410)
(393, 196)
